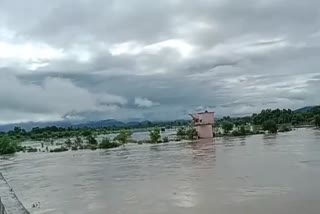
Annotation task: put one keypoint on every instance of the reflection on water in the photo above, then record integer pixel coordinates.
(256, 174)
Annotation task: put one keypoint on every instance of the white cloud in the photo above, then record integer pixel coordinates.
(52, 99)
(182, 47)
(144, 102)
(29, 51)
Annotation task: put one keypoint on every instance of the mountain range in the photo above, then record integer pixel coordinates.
(96, 124)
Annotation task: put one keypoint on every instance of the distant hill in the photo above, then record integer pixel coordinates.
(91, 124)
(101, 123)
(29, 125)
(304, 109)
(64, 124)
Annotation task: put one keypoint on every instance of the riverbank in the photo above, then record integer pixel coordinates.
(9, 203)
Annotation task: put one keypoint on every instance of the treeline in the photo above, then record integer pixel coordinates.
(267, 120)
(54, 132)
(272, 120)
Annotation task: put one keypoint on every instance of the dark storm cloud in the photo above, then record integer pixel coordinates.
(160, 60)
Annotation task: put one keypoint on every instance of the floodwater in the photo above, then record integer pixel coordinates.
(259, 174)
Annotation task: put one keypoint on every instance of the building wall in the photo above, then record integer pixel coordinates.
(204, 131)
(204, 118)
(203, 123)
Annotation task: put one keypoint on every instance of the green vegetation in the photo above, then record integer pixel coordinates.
(107, 144)
(227, 126)
(181, 132)
(284, 128)
(240, 132)
(270, 126)
(61, 149)
(191, 133)
(68, 143)
(317, 120)
(123, 136)
(155, 135)
(187, 134)
(165, 139)
(7, 146)
(268, 120)
(91, 140)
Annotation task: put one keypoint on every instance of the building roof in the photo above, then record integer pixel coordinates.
(205, 112)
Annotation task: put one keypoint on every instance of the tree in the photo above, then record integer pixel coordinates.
(86, 133)
(317, 120)
(91, 140)
(243, 130)
(181, 132)
(123, 136)
(7, 146)
(78, 141)
(227, 126)
(270, 126)
(165, 139)
(191, 133)
(68, 143)
(155, 135)
(107, 144)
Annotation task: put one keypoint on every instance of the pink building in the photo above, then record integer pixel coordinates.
(203, 123)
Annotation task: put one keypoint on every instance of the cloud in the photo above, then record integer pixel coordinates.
(231, 57)
(52, 99)
(144, 102)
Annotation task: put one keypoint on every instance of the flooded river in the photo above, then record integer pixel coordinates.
(254, 175)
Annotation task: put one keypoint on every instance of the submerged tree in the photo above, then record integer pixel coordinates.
(191, 133)
(78, 141)
(123, 136)
(227, 126)
(68, 143)
(270, 126)
(317, 120)
(155, 135)
(92, 140)
(7, 146)
(107, 144)
(181, 132)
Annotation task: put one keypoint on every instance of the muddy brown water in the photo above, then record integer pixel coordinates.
(259, 174)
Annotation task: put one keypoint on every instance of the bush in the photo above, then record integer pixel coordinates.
(155, 135)
(165, 139)
(90, 146)
(7, 146)
(78, 141)
(107, 144)
(270, 126)
(61, 149)
(243, 130)
(74, 148)
(68, 143)
(181, 132)
(191, 133)
(317, 120)
(227, 126)
(236, 133)
(91, 140)
(30, 149)
(123, 136)
(284, 129)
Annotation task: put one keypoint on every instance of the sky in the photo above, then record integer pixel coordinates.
(156, 60)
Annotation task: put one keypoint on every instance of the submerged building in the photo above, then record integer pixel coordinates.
(203, 122)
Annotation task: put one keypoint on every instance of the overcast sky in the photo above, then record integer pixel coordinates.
(156, 60)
